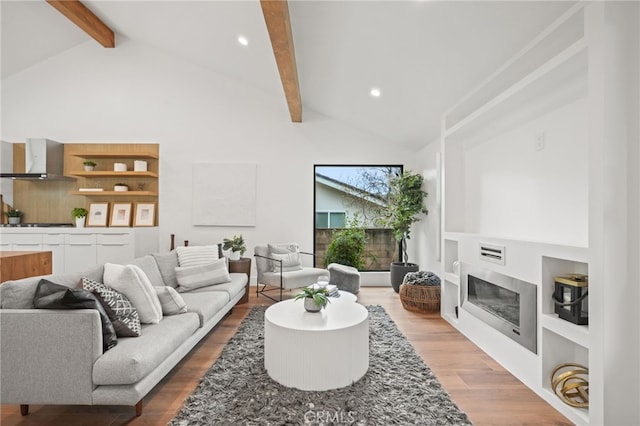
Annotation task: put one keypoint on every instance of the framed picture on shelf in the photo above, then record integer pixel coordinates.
(120, 214)
(98, 214)
(145, 214)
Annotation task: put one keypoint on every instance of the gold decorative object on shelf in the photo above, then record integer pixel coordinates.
(570, 384)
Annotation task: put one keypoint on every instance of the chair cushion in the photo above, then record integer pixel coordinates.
(294, 279)
(288, 254)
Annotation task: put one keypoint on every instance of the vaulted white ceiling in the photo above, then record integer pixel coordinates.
(422, 55)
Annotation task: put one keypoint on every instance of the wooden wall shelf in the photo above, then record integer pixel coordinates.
(114, 174)
(115, 193)
(113, 154)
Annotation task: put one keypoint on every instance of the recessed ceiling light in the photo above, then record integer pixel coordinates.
(375, 92)
(243, 40)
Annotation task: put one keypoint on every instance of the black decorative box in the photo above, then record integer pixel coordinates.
(570, 298)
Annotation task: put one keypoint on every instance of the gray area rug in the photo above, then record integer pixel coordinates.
(398, 388)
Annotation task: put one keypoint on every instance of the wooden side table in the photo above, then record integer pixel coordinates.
(242, 266)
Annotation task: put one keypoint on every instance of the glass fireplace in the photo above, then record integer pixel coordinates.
(505, 303)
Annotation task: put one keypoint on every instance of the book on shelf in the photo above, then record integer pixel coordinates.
(90, 189)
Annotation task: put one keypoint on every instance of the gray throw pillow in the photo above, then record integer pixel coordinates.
(288, 254)
(171, 301)
(193, 277)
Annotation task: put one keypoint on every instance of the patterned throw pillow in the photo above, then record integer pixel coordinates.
(125, 317)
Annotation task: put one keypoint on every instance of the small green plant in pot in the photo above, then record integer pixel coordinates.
(14, 216)
(315, 298)
(236, 245)
(89, 165)
(80, 215)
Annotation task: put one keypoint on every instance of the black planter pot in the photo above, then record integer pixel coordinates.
(398, 271)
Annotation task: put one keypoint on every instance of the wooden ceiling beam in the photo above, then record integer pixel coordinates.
(78, 13)
(276, 16)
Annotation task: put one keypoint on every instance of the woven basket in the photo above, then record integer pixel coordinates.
(420, 298)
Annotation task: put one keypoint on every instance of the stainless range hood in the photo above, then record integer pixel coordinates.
(44, 159)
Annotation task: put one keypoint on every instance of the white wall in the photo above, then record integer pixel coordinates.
(134, 93)
(513, 190)
(425, 235)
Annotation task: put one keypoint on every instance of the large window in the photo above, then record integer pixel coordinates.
(354, 196)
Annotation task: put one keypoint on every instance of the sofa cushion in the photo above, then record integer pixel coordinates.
(167, 263)
(133, 283)
(19, 294)
(192, 277)
(206, 303)
(150, 268)
(135, 358)
(50, 295)
(170, 300)
(196, 255)
(122, 314)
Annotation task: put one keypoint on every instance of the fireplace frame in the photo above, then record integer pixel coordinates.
(526, 334)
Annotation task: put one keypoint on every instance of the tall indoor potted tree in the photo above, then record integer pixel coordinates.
(404, 207)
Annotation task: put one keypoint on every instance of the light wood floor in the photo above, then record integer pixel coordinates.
(478, 385)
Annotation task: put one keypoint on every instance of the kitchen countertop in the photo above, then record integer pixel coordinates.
(15, 265)
(67, 230)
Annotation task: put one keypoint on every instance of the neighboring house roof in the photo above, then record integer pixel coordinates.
(350, 190)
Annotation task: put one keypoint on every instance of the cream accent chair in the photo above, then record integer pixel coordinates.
(272, 276)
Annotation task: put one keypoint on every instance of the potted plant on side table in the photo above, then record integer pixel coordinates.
(236, 245)
(315, 298)
(15, 216)
(405, 204)
(80, 215)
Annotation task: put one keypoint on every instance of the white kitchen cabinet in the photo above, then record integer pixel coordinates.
(79, 252)
(114, 248)
(55, 244)
(77, 249)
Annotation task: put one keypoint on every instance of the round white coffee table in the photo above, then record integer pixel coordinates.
(345, 296)
(316, 351)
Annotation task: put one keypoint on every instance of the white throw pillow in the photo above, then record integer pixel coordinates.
(172, 303)
(131, 281)
(196, 255)
(193, 277)
(289, 254)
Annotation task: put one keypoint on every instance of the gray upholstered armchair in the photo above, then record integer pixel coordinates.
(279, 267)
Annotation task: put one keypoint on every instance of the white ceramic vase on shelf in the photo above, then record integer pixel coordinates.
(80, 222)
